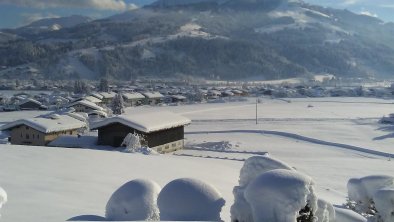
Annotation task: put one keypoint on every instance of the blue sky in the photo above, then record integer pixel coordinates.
(14, 13)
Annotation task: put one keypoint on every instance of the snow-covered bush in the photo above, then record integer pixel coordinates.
(252, 168)
(384, 203)
(256, 165)
(135, 200)
(325, 211)
(282, 195)
(188, 199)
(134, 143)
(361, 192)
(3, 197)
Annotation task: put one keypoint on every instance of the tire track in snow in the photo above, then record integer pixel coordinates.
(303, 138)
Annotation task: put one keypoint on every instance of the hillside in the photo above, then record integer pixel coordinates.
(214, 39)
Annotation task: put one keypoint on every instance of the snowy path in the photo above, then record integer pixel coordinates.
(303, 138)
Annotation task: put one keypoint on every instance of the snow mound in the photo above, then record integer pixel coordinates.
(384, 203)
(135, 200)
(256, 165)
(344, 215)
(279, 195)
(189, 199)
(252, 168)
(3, 197)
(361, 190)
(325, 211)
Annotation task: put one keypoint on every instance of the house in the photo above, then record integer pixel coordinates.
(153, 98)
(94, 100)
(107, 97)
(133, 99)
(162, 131)
(42, 130)
(31, 104)
(175, 99)
(85, 106)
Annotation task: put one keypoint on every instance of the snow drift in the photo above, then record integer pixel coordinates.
(135, 200)
(3, 197)
(188, 199)
(279, 195)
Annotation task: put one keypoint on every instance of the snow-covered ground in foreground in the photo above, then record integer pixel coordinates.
(333, 141)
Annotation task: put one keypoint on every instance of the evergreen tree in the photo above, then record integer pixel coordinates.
(117, 104)
(104, 85)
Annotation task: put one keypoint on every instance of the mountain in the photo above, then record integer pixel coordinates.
(215, 39)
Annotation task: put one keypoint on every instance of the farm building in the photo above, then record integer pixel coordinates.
(42, 130)
(133, 99)
(85, 106)
(162, 131)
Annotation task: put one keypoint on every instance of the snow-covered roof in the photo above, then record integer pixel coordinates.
(146, 122)
(153, 95)
(108, 95)
(30, 100)
(93, 99)
(133, 96)
(53, 123)
(97, 95)
(88, 104)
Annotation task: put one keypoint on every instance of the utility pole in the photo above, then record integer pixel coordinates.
(256, 109)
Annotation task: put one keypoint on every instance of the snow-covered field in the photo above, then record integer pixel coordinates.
(329, 139)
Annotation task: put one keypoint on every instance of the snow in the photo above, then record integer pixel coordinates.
(135, 200)
(146, 122)
(325, 211)
(93, 99)
(279, 195)
(344, 215)
(87, 104)
(384, 203)
(362, 190)
(189, 199)
(3, 198)
(108, 95)
(257, 165)
(47, 124)
(133, 96)
(153, 95)
(72, 182)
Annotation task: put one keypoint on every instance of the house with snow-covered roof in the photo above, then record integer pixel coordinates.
(153, 98)
(85, 106)
(40, 131)
(162, 131)
(107, 97)
(133, 99)
(31, 104)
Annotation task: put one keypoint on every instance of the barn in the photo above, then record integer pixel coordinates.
(162, 131)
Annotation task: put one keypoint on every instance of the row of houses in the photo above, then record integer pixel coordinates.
(162, 131)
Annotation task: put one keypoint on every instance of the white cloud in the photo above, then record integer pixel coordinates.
(32, 17)
(115, 5)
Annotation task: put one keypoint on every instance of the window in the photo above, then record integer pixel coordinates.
(38, 136)
(167, 147)
(33, 136)
(27, 127)
(27, 136)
